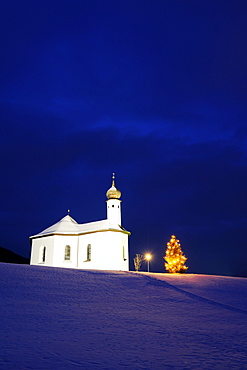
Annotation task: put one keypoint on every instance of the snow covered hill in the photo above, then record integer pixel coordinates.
(55, 318)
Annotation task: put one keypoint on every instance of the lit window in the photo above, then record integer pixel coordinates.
(89, 252)
(67, 253)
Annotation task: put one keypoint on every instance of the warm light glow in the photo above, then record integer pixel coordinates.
(148, 256)
(174, 257)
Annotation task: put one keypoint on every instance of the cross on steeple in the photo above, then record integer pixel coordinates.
(113, 178)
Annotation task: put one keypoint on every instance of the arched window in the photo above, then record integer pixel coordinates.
(89, 252)
(42, 254)
(124, 258)
(67, 253)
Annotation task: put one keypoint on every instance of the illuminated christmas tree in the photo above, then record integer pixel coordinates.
(174, 257)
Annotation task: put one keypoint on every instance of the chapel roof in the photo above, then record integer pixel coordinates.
(68, 226)
(66, 223)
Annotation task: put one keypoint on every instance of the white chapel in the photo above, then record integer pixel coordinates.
(99, 245)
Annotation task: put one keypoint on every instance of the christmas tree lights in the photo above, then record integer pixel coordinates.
(175, 259)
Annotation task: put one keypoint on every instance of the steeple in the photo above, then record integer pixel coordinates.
(113, 203)
(113, 192)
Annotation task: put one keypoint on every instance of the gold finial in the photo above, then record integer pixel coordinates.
(113, 192)
(68, 211)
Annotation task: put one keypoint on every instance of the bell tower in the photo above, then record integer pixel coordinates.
(114, 204)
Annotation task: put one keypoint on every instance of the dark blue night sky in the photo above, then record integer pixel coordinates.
(153, 90)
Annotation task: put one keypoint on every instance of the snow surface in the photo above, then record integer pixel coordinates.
(68, 225)
(54, 318)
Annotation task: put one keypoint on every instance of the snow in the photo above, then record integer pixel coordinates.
(54, 318)
(68, 225)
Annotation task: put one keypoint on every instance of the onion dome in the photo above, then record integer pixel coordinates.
(113, 192)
